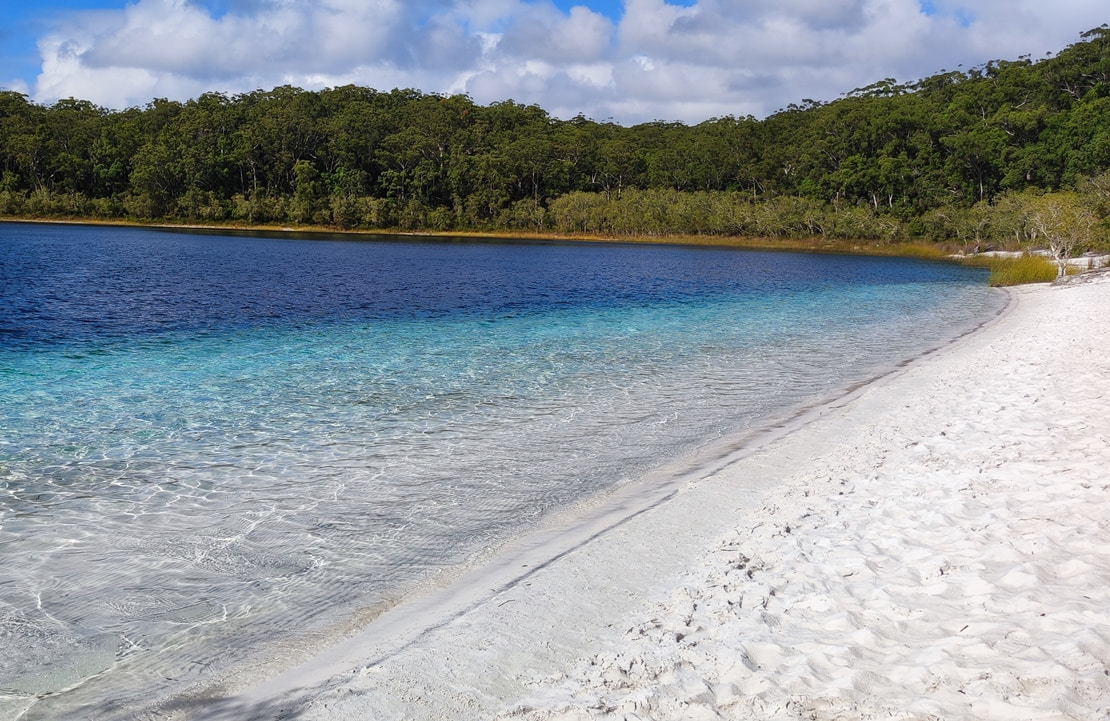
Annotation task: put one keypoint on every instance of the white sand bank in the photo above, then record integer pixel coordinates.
(937, 545)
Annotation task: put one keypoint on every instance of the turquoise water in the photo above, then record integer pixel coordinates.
(214, 446)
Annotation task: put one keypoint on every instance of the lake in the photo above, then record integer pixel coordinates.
(217, 447)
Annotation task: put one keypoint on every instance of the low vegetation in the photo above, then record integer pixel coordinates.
(1018, 270)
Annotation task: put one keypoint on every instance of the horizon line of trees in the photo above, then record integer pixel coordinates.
(969, 157)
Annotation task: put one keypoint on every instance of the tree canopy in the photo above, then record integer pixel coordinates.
(958, 156)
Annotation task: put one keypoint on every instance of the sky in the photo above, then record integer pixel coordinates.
(627, 61)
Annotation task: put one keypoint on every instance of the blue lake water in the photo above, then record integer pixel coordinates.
(215, 447)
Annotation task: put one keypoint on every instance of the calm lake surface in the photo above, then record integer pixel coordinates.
(213, 446)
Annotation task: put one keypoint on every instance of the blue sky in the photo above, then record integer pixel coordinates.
(629, 60)
(21, 23)
(611, 8)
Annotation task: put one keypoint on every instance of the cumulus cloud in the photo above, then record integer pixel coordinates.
(659, 60)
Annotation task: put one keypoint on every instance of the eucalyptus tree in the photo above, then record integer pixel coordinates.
(1064, 222)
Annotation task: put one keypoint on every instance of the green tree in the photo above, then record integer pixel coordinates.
(1064, 222)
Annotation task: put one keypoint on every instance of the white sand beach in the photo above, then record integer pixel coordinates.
(934, 545)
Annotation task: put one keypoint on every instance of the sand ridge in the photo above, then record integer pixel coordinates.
(936, 546)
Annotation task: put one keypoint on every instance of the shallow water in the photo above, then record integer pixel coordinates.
(210, 445)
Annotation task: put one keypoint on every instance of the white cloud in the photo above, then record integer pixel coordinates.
(17, 85)
(660, 61)
(542, 32)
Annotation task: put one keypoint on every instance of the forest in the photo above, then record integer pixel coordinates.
(1008, 153)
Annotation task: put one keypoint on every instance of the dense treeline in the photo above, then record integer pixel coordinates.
(966, 156)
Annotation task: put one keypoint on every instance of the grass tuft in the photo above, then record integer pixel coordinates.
(1016, 271)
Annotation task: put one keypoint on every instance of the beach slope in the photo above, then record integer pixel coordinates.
(933, 545)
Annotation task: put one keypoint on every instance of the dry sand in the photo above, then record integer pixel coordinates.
(936, 545)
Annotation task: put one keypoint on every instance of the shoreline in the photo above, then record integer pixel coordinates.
(919, 250)
(277, 656)
(885, 554)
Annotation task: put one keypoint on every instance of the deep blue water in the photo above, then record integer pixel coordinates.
(65, 285)
(210, 444)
